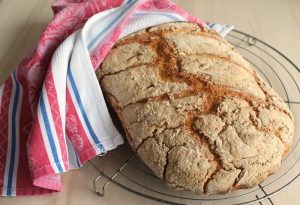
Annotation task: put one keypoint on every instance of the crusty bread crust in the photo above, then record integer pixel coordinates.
(194, 110)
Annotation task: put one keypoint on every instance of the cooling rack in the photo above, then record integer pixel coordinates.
(123, 168)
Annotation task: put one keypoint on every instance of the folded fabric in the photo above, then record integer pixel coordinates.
(53, 116)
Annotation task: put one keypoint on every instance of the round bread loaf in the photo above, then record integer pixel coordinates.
(194, 110)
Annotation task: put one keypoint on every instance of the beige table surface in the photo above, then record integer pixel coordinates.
(21, 21)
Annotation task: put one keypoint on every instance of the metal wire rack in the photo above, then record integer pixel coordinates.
(122, 167)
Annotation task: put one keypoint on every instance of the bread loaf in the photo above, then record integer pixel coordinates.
(194, 110)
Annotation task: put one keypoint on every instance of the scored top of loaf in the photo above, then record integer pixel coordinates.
(194, 110)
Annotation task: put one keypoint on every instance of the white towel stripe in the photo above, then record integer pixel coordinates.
(107, 19)
(9, 138)
(46, 140)
(142, 20)
(59, 62)
(17, 147)
(53, 130)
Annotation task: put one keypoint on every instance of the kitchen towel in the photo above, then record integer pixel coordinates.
(53, 116)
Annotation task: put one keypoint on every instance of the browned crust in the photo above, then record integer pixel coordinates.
(169, 64)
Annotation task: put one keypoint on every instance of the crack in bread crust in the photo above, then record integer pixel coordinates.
(120, 71)
(207, 137)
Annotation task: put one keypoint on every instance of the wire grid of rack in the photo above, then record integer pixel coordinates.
(123, 168)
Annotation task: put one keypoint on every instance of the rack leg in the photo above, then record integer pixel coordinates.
(102, 191)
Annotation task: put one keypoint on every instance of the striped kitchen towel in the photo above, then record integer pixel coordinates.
(53, 116)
